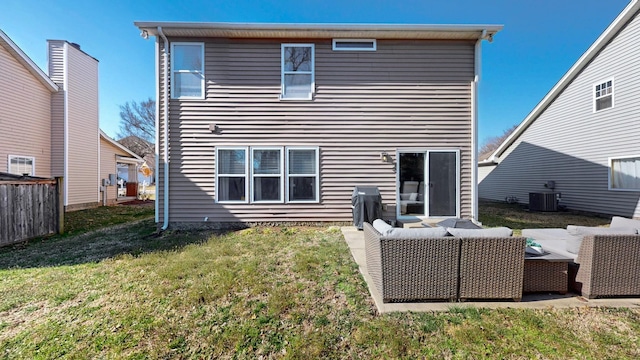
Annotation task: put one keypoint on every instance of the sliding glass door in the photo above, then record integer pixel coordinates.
(429, 183)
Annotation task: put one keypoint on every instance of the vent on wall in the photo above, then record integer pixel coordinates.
(354, 45)
(546, 201)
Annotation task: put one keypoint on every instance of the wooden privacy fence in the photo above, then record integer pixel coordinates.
(29, 207)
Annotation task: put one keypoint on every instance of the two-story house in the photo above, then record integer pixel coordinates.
(279, 122)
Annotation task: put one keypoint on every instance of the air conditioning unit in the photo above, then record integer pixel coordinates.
(545, 201)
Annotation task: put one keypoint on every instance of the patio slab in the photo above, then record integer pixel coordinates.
(355, 240)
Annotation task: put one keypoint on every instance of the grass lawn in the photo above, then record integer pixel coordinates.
(283, 292)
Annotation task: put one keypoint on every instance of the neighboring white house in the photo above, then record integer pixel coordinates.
(584, 136)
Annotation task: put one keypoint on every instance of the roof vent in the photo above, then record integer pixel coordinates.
(77, 46)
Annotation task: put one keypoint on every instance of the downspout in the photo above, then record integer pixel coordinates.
(474, 126)
(165, 149)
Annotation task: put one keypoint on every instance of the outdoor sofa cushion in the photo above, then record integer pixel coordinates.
(381, 226)
(619, 222)
(484, 233)
(416, 233)
(573, 244)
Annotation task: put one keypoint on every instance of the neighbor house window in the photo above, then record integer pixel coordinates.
(297, 72)
(232, 172)
(22, 165)
(264, 179)
(354, 45)
(267, 174)
(187, 70)
(603, 95)
(625, 173)
(302, 164)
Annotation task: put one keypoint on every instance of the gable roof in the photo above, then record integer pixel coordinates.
(315, 31)
(119, 146)
(611, 32)
(22, 58)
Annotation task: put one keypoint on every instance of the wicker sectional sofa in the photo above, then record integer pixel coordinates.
(415, 268)
(606, 261)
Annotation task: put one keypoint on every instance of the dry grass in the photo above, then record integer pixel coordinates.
(267, 293)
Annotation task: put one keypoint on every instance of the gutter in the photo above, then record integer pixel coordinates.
(165, 104)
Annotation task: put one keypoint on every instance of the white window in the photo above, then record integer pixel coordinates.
(22, 165)
(187, 70)
(267, 175)
(603, 95)
(624, 173)
(354, 45)
(232, 171)
(302, 175)
(297, 80)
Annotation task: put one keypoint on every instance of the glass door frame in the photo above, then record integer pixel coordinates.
(427, 198)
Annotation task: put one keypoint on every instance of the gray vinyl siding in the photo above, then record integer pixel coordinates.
(571, 145)
(407, 94)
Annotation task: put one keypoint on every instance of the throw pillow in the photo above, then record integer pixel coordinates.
(381, 226)
(491, 232)
(413, 196)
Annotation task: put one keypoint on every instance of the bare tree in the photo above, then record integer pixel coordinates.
(138, 120)
(491, 144)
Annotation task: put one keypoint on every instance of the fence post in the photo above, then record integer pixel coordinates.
(60, 194)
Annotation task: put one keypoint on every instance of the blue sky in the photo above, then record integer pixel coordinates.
(539, 43)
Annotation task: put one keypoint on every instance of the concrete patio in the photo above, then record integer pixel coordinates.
(355, 241)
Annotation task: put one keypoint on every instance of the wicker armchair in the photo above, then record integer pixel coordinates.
(412, 269)
(492, 268)
(608, 265)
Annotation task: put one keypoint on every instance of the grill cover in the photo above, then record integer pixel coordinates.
(366, 203)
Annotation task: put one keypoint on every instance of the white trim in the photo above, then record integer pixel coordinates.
(427, 152)
(247, 178)
(316, 175)
(201, 72)
(373, 47)
(20, 55)
(625, 16)
(610, 173)
(157, 128)
(280, 175)
(65, 87)
(595, 98)
(312, 72)
(474, 130)
(33, 163)
(120, 146)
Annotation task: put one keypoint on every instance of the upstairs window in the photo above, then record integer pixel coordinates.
(297, 81)
(22, 165)
(625, 173)
(187, 70)
(603, 96)
(354, 45)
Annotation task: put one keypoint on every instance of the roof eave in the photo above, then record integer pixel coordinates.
(278, 30)
(27, 62)
(120, 146)
(612, 30)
